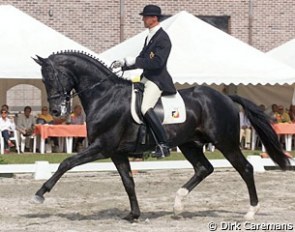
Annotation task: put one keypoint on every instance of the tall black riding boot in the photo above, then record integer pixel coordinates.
(155, 124)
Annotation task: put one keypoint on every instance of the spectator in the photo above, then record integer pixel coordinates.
(77, 118)
(9, 115)
(5, 107)
(7, 128)
(292, 113)
(25, 125)
(245, 129)
(262, 107)
(282, 116)
(45, 118)
(274, 110)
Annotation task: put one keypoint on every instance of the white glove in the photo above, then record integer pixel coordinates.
(118, 63)
(129, 61)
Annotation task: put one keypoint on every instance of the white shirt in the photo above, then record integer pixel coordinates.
(6, 124)
(152, 32)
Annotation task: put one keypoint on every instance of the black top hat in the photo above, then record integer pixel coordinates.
(151, 10)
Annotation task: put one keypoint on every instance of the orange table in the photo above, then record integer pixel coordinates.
(286, 129)
(63, 131)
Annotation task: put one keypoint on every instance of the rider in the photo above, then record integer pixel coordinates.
(155, 77)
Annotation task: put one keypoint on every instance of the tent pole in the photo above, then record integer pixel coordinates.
(250, 20)
(121, 20)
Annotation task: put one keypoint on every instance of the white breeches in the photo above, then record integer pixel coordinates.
(150, 96)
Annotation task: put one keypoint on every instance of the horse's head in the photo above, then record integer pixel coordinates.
(58, 83)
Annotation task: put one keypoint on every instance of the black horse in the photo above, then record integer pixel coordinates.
(211, 118)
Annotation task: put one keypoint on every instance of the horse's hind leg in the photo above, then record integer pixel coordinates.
(245, 169)
(194, 154)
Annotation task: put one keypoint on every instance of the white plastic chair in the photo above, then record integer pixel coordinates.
(1, 144)
(13, 138)
(23, 142)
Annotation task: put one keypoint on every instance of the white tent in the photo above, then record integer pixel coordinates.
(22, 37)
(285, 53)
(203, 54)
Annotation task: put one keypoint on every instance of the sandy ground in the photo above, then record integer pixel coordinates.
(97, 202)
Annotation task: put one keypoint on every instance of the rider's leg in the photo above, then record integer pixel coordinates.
(150, 97)
(153, 121)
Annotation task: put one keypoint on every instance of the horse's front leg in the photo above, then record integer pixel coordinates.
(123, 166)
(91, 153)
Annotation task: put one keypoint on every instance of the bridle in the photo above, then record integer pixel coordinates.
(66, 96)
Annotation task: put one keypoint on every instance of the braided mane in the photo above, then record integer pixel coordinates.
(94, 60)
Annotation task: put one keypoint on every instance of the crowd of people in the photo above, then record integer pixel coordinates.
(23, 124)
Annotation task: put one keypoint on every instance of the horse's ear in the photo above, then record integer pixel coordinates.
(41, 61)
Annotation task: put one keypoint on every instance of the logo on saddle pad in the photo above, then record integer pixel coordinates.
(170, 109)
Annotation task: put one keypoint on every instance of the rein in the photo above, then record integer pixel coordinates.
(67, 96)
(98, 83)
(88, 88)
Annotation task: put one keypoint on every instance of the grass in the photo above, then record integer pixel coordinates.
(28, 158)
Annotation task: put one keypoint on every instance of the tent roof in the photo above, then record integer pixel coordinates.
(23, 37)
(285, 53)
(202, 53)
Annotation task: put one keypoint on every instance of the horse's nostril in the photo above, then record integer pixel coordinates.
(55, 113)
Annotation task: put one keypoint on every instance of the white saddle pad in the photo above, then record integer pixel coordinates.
(173, 108)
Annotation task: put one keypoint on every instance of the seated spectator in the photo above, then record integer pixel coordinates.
(7, 128)
(292, 113)
(9, 115)
(271, 111)
(5, 107)
(77, 118)
(245, 130)
(262, 107)
(25, 125)
(45, 118)
(282, 116)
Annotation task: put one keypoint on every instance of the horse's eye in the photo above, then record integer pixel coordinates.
(68, 98)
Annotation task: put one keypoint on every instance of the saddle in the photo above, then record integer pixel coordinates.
(169, 109)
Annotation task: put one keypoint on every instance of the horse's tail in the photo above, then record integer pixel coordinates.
(262, 125)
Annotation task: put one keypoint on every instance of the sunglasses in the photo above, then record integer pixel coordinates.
(3, 112)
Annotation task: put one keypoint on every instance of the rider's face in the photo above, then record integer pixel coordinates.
(149, 21)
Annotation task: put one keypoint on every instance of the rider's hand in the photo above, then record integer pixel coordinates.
(118, 63)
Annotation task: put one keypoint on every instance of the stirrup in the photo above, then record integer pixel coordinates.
(162, 151)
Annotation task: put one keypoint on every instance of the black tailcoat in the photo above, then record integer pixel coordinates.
(153, 60)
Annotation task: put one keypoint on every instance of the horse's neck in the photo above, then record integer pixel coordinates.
(97, 84)
(103, 94)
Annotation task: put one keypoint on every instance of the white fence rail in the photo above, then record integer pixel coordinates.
(43, 170)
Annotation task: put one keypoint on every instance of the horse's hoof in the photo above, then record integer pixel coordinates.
(130, 218)
(178, 205)
(178, 209)
(250, 216)
(37, 199)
